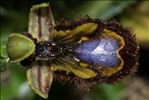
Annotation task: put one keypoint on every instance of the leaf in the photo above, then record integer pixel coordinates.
(104, 9)
(3, 52)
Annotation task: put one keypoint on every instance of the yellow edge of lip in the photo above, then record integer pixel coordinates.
(110, 71)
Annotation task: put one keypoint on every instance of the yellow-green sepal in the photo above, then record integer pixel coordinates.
(19, 47)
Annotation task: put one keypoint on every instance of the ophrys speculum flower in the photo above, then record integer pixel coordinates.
(84, 52)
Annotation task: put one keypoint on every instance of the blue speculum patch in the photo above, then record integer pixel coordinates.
(99, 52)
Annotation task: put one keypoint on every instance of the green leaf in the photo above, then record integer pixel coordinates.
(105, 9)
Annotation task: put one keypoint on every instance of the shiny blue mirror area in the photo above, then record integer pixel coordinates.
(99, 52)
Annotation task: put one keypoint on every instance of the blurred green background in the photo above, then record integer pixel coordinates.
(133, 14)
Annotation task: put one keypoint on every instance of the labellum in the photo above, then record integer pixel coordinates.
(84, 52)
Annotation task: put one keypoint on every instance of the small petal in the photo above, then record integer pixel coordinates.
(41, 22)
(40, 79)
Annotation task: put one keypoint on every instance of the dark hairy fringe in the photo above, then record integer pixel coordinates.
(130, 51)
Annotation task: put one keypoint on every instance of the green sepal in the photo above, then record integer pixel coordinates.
(19, 47)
